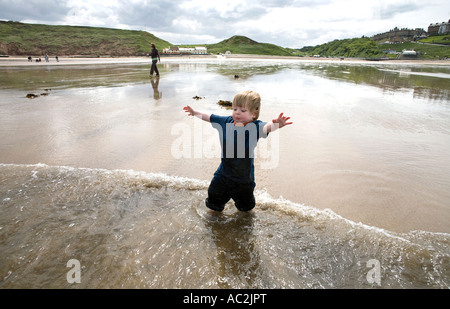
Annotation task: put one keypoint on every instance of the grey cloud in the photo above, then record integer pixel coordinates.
(292, 3)
(238, 14)
(157, 15)
(160, 16)
(39, 10)
(389, 10)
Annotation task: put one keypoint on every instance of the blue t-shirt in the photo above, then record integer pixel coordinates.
(238, 146)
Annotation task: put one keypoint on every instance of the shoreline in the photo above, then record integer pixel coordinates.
(79, 60)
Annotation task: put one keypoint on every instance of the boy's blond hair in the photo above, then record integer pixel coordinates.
(250, 100)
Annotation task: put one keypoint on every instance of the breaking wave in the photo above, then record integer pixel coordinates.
(132, 229)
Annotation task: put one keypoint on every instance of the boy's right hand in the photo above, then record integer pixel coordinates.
(282, 121)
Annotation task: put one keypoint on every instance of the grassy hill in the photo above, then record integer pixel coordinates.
(427, 50)
(367, 48)
(358, 47)
(243, 45)
(437, 39)
(35, 39)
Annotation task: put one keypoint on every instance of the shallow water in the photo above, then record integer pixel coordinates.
(140, 230)
(107, 169)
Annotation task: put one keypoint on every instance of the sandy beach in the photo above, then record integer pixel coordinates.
(338, 95)
(103, 166)
(76, 60)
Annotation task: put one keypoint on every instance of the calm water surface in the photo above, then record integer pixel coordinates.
(106, 164)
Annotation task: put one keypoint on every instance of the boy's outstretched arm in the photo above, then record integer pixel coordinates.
(192, 112)
(277, 123)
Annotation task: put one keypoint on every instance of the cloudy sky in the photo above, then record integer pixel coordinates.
(288, 23)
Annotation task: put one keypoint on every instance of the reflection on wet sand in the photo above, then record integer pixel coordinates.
(435, 87)
(155, 85)
(427, 82)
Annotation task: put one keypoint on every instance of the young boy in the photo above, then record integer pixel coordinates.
(239, 134)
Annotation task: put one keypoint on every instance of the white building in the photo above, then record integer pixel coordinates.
(194, 50)
(444, 28)
(201, 51)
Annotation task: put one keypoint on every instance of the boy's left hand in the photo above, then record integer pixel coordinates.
(282, 121)
(189, 110)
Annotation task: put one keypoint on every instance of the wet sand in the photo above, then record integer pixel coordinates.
(107, 169)
(361, 145)
(75, 60)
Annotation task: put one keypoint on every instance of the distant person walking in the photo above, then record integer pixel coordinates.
(155, 57)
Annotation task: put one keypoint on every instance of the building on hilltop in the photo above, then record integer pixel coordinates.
(439, 28)
(397, 35)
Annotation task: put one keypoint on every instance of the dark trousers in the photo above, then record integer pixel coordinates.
(154, 68)
(221, 190)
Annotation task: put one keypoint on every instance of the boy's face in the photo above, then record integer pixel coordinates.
(242, 115)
